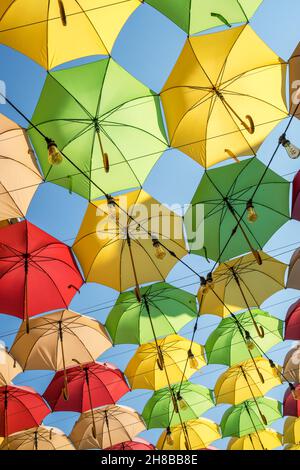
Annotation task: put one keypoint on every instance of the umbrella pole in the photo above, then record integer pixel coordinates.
(137, 287)
(90, 400)
(104, 154)
(36, 440)
(66, 388)
(253, 424)
(254, 398)
(259, 329)
(160, 359)
(107, 425)
(6, 416)
(26, 293)
(249, 127)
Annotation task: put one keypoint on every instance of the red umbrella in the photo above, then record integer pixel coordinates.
(296, 197)
(291, 402)
(292, 322)
(90, 385)
(137, 444)
(20, 408)
(37, 272)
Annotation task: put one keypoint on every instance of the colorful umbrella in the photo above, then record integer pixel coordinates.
(118, 252)
(89, 385)
(188, 400)
(38, 438)
(114, 134)
(267, 439)
(236, 339)
(291, 431)
(20, 408)
(291, 366)
(250, 379)
(114, 424)
(52, 32)
(291, 402)
(294, 271)
(164, 362)
(60, 340)
(250, 416)
(137, 444)
(163, 310)
(20, 176)
(226, 193)
(296, 196)
(223, 98)
(292, 447)
(9, 367)
(38, 273)
(242, 283)
(193, 435)
(292, 322)
(194, 16)
(294, 64)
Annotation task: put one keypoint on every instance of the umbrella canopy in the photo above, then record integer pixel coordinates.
(38, 273)
(119, 252)
(192, 401)
(9, 367)
(223, 98)
(293, 281)
(291, 366)
(90, 385)
(163, 310)
(20, 408)
(52, 32)
(291, 402)
(229, 344)
(38, 438)
(114, 424)
(267, 439)
(250, 416)
(114, 134)
(244, 381)
(226, 193)
(292, 447)
(291, 431)
(20, 176)
(242, 283)
(137, 444)
(296, 196)
(168, 361)
(292, 322)
(294, 64)
(194, 16)
(194, 435)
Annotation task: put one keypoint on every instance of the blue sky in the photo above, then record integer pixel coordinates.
(148, 47)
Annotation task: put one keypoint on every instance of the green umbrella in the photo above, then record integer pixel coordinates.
(194, 16)
(228, 342)
(163, 310)
(190, 403)
(227, 193)
(105, 121)
(250, 416)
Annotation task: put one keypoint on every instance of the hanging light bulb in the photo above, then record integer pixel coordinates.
(182, 403)
(169, 437)
(209, 281)
(251, 213)
(160, 252)
(203, 288)
(291, 149)
(274, 368)
(113, 213)
(192, 360)
(249, 343)
(54, 155)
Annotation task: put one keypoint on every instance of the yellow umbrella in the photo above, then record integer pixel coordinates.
(292, 447)
(9, 367)
(291, 431)
(247, 380)
(119, 252)
(113, 424)
(52, 32)
(193, 435)
(268, 439)
(224, 95)
(19, 174)
(242, 283)
(40, 438)
(167, 361)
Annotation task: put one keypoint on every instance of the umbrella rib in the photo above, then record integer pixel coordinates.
(119, 124)
(5, 157)
(38, 267)
(228, 93)
(92, 25)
